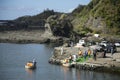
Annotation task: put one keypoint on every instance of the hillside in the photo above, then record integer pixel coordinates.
(99, 16)
(59, 22)
(37, 20)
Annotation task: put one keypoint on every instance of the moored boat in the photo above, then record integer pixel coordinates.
(66, 64)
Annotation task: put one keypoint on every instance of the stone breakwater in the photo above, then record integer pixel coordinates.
(110, 64)
(31, 36)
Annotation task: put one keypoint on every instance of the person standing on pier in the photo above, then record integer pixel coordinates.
(85, 54)
(104, 53)
(61, 50)
(80, 53)
(71, 44)
(94, 54)
(112, 50)
(89, 52)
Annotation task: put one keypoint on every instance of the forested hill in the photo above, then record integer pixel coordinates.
(37, 20)
(99, 16)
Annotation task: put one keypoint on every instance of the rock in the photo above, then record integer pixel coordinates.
(117, 60)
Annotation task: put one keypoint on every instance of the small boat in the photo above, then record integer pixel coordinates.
(66, 64)
(30, 65)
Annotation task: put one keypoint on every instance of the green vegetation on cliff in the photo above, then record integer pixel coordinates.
(101, 16)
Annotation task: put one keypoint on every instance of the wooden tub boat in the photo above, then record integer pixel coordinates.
(66, 64)
(30, 65)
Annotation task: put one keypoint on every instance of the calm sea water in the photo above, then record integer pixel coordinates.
(13, 57)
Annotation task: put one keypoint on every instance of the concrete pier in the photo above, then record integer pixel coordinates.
(110, 64)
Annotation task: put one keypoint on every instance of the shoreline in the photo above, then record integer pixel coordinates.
(109, 64)
(32, 36)
(20, 41)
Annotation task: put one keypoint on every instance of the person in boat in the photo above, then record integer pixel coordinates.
(34, 62)
(29, 64)
(66, 60)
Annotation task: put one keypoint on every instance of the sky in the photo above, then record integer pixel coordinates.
(12, 9)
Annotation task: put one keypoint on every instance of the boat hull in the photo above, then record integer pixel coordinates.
(30, 65)
(66, 65)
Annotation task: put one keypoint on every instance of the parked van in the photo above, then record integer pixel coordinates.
(82, 42)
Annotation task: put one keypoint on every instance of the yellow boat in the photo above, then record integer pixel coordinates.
(30, 65)
(66, 64)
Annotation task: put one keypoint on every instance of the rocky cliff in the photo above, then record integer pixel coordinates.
(101, 16)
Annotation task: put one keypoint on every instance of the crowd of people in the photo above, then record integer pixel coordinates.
(86, 53)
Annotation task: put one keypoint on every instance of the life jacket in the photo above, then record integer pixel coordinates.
(80, 52)
(89, 52)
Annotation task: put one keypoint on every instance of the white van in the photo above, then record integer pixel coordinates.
(82, 41)
(104, 43)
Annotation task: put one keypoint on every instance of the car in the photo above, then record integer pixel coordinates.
(99, 48)
(82, 42)
(117, 44)
(109, 46)
(104, 43)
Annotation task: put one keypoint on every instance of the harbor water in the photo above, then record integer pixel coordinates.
(13, 58)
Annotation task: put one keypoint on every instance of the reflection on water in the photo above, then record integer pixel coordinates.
(30, 71)
(78, 75)
(75, 74)
(31, 74)
(65, 72)
(13, 57)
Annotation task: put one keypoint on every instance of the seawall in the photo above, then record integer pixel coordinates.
(31, 36)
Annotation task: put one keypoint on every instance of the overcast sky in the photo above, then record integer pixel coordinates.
(11, 9)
